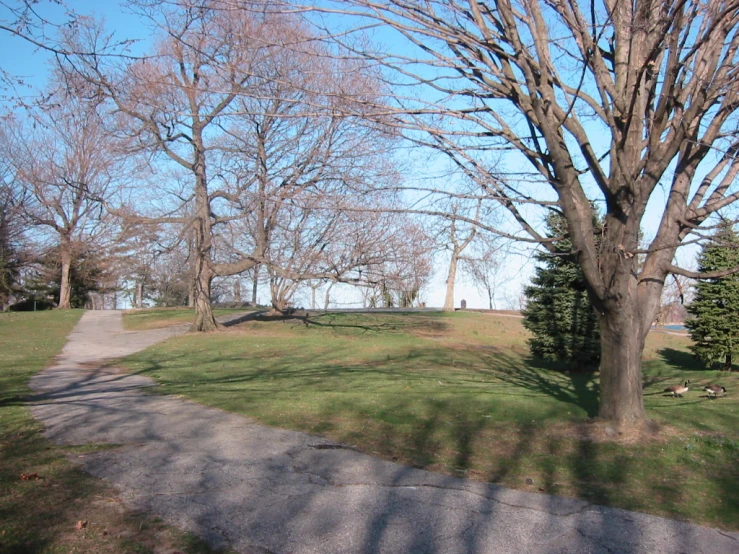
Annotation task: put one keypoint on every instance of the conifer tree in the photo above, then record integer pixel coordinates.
(715, 309)
(558, 312)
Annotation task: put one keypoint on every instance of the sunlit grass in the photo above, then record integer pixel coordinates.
(156, 318)
(459, 393)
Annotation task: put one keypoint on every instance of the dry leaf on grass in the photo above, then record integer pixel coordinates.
(81, 524)
(30, 477)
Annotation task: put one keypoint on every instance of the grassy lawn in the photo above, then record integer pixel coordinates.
(458, 393)
(41, 514)
(156, 318)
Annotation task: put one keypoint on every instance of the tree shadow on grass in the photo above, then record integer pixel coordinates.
(349, 322)
(679, 359)
(441, 402)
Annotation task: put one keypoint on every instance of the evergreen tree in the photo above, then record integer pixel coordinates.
(715, 309)
(10, 261)
(558, 312)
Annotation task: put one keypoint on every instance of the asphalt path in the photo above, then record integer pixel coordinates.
(263, 490)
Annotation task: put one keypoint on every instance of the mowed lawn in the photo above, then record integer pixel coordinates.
(47, 505)
(156, 318)
(458, 393)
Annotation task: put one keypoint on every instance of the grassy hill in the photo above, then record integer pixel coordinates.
(459, 393)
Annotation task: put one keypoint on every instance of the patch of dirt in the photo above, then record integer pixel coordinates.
(594, 430)
(104, 526)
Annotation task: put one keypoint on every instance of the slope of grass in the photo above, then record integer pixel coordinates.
(458, 393)
(156, 318)
(40, 514)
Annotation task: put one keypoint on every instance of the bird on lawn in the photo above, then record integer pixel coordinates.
(678, 390)
(714, 390)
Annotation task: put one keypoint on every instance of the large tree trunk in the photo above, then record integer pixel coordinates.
(65, 289)
(203, 271)
(622, 344)
(450, 280)
(204, 319)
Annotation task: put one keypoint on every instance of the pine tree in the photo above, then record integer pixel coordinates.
(558, 312)
(10, 263)
(715, 309)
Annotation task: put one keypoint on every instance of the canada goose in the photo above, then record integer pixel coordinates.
(715, 390)
(678, 390)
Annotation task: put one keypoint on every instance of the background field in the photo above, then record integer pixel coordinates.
(458, 393)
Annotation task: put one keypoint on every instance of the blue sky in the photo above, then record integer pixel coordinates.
(21, 59)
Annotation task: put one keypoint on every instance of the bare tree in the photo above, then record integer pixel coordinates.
(456, 236)
(61, 157)
(406, 267)
(246, 105)
(606, 100)
(675, 296)
(484, 267)
(174, 103)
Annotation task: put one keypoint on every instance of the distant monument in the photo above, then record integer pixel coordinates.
(463, 304)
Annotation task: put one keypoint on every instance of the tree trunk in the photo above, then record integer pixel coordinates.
(140, 294)
(327, 299)
(449, 300)
(204, 319)
(727, 363)
(237, 291)
(65, 289)
(622, 344)
(255, 284)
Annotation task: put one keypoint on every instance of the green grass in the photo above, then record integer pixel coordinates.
(155, 318)
(39, 516)
(458, 393)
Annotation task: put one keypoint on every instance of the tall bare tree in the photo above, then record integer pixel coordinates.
(244, 105)
(602, 100)
(61, 157)
(484, 266)
(174, 103)
(456, 236)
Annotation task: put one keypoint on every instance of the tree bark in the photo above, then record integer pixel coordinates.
(140, 294)
(255, 285)
(65, 289)
(450, 280)
(327, 298)
(622, 344)
(237, 291)
(204, 319)
(203, 270)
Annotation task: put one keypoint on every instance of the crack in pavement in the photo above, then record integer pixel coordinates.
(273, 491)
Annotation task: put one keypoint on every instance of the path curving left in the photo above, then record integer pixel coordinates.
(264, 490)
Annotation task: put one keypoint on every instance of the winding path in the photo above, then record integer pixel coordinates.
(264, 490)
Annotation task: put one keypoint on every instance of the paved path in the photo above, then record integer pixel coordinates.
(265, 490)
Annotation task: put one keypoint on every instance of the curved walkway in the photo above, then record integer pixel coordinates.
(264, 490)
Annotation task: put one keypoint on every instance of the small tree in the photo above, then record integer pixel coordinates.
(715, 327)
(559, 313)
(484, 267)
